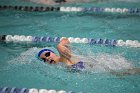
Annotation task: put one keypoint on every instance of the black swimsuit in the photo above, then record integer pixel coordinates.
(60, 1)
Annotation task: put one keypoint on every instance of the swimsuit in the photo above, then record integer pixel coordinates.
(79, 66)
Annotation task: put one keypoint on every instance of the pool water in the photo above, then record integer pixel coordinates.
(19, 66)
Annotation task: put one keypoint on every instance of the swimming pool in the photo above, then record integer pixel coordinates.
(19, 66)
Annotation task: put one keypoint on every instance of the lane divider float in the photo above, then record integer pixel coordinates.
(91, 41)
(32, 90)
(70, 9)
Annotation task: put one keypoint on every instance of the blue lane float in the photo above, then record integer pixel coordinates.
(45, 39)
(70, 9)
(91, 41)
(4, 90)
(14, 90)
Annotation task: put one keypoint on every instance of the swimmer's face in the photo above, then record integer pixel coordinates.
(48, 57)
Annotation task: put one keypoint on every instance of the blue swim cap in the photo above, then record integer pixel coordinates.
(43, 50)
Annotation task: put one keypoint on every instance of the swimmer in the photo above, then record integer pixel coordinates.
(57, 2)
(65, 55)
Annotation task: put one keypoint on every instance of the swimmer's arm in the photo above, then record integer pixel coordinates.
(63, 48)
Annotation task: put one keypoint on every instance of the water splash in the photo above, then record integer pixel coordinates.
(97, 63)
(101, 62)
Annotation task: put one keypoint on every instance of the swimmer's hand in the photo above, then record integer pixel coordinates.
(64, 41)
(63, 48)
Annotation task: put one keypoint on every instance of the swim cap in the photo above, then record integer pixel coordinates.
(43, 50)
